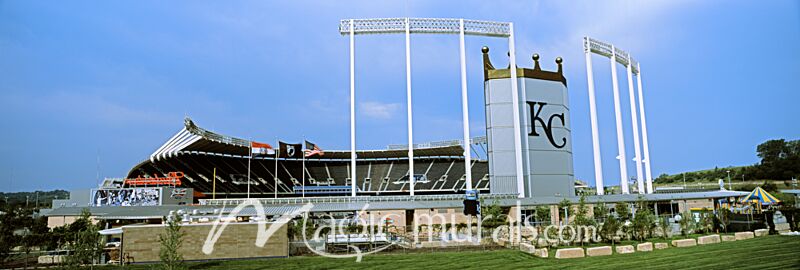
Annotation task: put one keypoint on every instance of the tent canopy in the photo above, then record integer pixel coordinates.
(111, 231)
(760, 195)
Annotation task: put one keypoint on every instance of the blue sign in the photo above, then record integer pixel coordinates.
(471, 195)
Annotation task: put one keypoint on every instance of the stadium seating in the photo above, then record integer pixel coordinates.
(389, 177)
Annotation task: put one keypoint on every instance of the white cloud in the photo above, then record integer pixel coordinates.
(378, 110)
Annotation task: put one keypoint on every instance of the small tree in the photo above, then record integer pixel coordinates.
(8, 222)
(542, 217)
(706, 222)
(623, 211)
(664, 227)
(687, 223)
(542, 214)
(493, 215)
(600, 211)
(610, 228)
(582, 215)
(623, 216)
(565, 206)
(171, 241)
(725, 216)
(87, 245)
(643, 221)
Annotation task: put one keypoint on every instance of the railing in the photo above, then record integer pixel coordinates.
(194, 129)
(475, 140)
(424, 26)
(359, 199)
(605, 49)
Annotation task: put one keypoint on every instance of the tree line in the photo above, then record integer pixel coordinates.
(780, 160)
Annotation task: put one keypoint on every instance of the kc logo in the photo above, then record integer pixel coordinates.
(548, 127)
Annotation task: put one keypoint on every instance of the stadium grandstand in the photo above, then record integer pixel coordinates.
(217, 165)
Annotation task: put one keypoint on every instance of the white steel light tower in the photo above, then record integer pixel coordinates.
(619, 56)
(410, 26)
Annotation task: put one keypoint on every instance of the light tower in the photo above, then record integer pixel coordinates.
(618, 56)
(408, 26)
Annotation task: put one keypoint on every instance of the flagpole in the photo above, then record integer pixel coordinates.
(214, 185)
(277, 154)
(248, 170)
(303, 152)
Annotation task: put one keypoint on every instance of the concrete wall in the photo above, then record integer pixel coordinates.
(77, 198)
(58, 221)
(237, 241)
(684, 206)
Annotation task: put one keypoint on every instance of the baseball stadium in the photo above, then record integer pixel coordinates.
(522, 168)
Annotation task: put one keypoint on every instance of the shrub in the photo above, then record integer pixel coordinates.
(687, 223)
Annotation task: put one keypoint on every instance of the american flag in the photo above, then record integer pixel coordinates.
(313, 149)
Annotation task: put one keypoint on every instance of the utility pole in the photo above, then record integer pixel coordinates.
(729, 179)
(684, 180)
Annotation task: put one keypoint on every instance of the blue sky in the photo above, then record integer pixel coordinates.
(114, 79)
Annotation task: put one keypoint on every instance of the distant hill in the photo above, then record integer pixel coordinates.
(707, 175)
(44, 198)
(780, 162)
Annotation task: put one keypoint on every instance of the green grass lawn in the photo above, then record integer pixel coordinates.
(771, 252)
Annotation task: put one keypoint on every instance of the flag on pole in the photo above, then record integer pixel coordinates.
(313, 149)
(288, 150)
(260, 149)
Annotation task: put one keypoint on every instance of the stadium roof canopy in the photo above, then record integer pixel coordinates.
(372, 203)
(194, 139)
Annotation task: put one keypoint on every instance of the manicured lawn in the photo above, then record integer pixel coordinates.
(771, 252)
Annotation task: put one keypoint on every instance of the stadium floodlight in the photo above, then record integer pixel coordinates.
(622, 57)
(408, 26)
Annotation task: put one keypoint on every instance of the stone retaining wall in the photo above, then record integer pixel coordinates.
(743, 235)
(708, 239)
(625, 249)
(641, 247)
(541, 252)
(237, 241)
(598, 251)
(566, 253)
(728, 238)
(528, 248)
(644, 247)
(684, 243)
